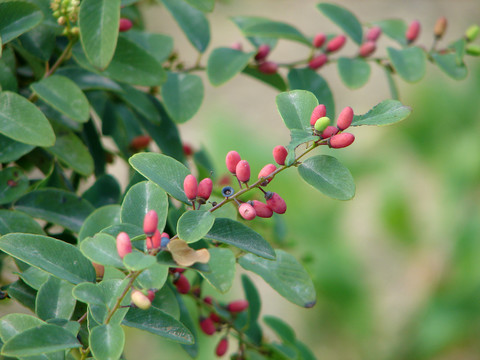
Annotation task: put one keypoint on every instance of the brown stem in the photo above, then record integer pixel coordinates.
(133, 276)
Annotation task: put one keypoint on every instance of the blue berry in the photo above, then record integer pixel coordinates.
(227, 191)
(164, 242)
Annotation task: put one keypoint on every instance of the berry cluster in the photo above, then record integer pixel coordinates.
(264, 66)
(335, 136)
(327, 47)
(66, 12)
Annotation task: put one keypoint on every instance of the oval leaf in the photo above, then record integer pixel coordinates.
(385, 113)
(354, 72)
(194, 225)
(449, 64)
(136, 261)
(98, 220)
(17, 18)
(89, 293)
(87, 80)
(17, 221)
(13, 324)
(224, 63)
(102, 249)
(394, 29)
(222, 264)
(410, 63)
(13, 184)
(329, 176)
(160, 46)
(344, 19)
(55, 300)
(263, 27)
(154, 277)
(11, 150)
(107, 342)
(295, 108)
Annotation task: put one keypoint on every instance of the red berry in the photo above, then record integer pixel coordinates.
(243, 171)
(262, 53)
(232, 159)
(208, 300)
(125, 24)
(222, 347)
(190, 187)
(318, 61)
(140, 142)
(266, 171)
(187, 149)
(275, 202)
(341, 140)
(124, 245)
(367, 49)
(205, 188)
(268, 67)
(336, 43)
(319, 40)
(99, 269)
(176, 270)
(207, 326)
(280, 154)
(150, 222)
(237, 306)
(247, 211)
(329, 131)
(262, 209)
(345, 118)
(151, 295)
(215, 318)
(413, 31)
(182, 284)
(318, 112)
(373, 33)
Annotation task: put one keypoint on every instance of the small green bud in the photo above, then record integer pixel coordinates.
(322, 123)
(472, 32)
(473, 49)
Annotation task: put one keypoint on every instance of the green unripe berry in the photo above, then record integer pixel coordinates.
(472, 32)
(322, 123)
(473, 49)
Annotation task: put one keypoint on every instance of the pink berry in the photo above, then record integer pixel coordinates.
(280, 154)
(207, 326)
(318, 112)
(205, 188)
(275, 202)
(215, 318)
(319, 40)
(237, 306)
(265, 172)
(345, 118)
(190, 187)
(268, 67)
(232, 159)
(373, 33)
(329, 131)
(208, 300)
(150, 222)
(247, 211)
(367, 49)
(262, 209)
(318, 61)
(155, 241)
(243, 171)
(237, 46)
(336, 43)
(124, 245)
(125, 24)
(262, 52)
(182, 284)
(222, 347)
(413, 31)
(341, 140)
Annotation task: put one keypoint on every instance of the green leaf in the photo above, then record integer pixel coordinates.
(222, 264)
(55, 300)
(136, 261)
(98, 220)
(307, 79)
(192, 22)
(57, 206)
(385, 113)
(237, 234)
(295, 108)
(63, 95)
(154, 277)
(159, 323)
(105, 191)
(11, 150)
(326, 174)
(345, 19)
(297, 137)
(8, 80)
(410, 63)
(448, 63)
(275, 80)
(285, 274)
(394, 29)
(224, 63)
(253, 330)
(243, 22)
(98, 21)
(102, 249)
(40, 41)
(23, 293)
(89, 293)
(40, 340)
(87, 80)
(203, 5)
(34, 277)
(132, 230)
(263, 27)
(17, 18)
(304, 351)
(13, 184)
(391, 84)
(182, 95)
(17, 221)
(54, 256)
(281, 328)
(354, 72)
(164, 171)
(14, 324)
(23, 121)
(107, 342)
(140, 102)
(194, 225)
(140, 199)
(160, 46)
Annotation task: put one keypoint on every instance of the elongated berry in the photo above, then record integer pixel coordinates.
(140, 300)
(237, 306)
(318, 61)
(261, 209)
(329, 131)
(280, 154)
(262, 52)
(190, 187)
(222, 347)
(215, 318)
(208, 300)
(247, 211)
(413, 31)
(367, 48)
(275, 202)
(345, 118)
(473, 49)
(182, 284)
(125, 24)
(319, 40)
(321, 124)
(237, 46)
(140, 142)
(150, 222)
(243, 171)
(341, 140)
(205, 189)
(268, 67)
(472, 32)
(207, 326)
(265, 172)
(124, 245)
(336, 43)
(187, 149)
(231, 160)
(440, 27)
(318, 112)
(373, 33)
(155, 241)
